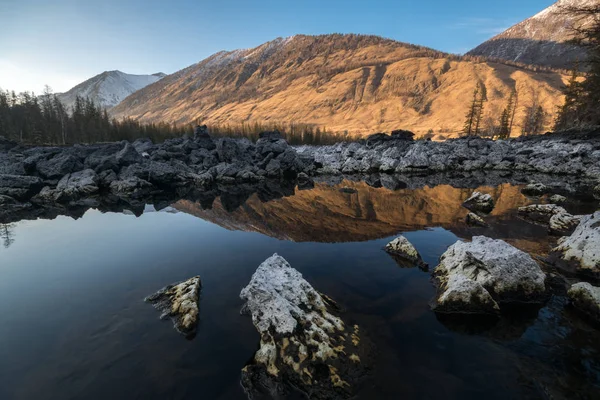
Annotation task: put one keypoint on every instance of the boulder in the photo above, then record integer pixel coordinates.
(304, 346)
(77, 185)
(401, 134)
(557, 199)
(480, 202)
(581, 250)
(475, 220)
(403, 250)
(563, 223)
(19, 187)
(143, 146)
(229, 151)
(6, 200)
(479, 276)
(596, 192)
(541, 213)
(128, 155)
(586, 298)
(535, 189)
(104, 158)
(179, 302)
(130, 187)
(58, 166)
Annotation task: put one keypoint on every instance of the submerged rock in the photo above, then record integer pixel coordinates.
(477, 277)
(557, 199)
(581, 250)
(586, 298)
(180, 303)
(403, 251)
(475, 220)
(535, 189)
(303, 345)
(480, 202)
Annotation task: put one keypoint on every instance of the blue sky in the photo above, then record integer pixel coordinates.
(63, 42)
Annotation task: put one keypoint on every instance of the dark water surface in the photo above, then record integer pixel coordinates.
(73, 324)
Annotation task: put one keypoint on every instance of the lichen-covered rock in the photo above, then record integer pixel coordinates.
(303, 345)
(479, 276)
(563, 223)
(475, 220)
(535, 189)
(586, 298)
(403, 251)
(480, 202)
(581, 250)
(557, 199)
(541, 213)
(180, 303)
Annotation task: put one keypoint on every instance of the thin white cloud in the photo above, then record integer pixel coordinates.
(482, 26)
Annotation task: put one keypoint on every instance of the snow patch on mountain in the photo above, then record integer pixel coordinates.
(109, 88)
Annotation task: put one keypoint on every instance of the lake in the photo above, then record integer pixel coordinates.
(73, 323)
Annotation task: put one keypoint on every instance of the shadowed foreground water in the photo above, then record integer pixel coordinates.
(73, 323)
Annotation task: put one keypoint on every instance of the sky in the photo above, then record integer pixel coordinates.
(64, 42)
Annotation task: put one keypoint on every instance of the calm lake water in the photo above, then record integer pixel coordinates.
(73, 323)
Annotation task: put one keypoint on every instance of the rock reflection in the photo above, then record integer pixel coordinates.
(7, 235)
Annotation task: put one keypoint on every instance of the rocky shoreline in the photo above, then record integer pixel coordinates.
(48, 181)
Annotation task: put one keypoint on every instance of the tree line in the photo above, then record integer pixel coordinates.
(29, 119)
(45, 120)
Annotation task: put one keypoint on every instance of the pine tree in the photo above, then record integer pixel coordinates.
(508, 115)
(568, 112)
(475, 114)
(582, 98)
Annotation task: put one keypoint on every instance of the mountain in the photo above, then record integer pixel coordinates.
(109, 88)
(541, 39)
(355, 83)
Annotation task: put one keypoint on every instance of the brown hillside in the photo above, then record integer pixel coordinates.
(353, 83)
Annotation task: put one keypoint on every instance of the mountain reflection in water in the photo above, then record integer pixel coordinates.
(355, 212)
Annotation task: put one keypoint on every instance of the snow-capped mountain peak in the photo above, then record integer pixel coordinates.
(541, 39)
(109, 88)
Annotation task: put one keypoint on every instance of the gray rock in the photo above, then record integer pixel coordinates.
(130, 187)
(475, 220)
(180, 303)
(77, 185)
(480, 202)
(273, 168)
(128, 156)
(19, 187)
(535, 189)
(586, 298)
(564, 223)
(303, 345)
(58, 166)
(541, 213)
(478, 277)
(557, 199)
(581, 250)
(403, 250)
